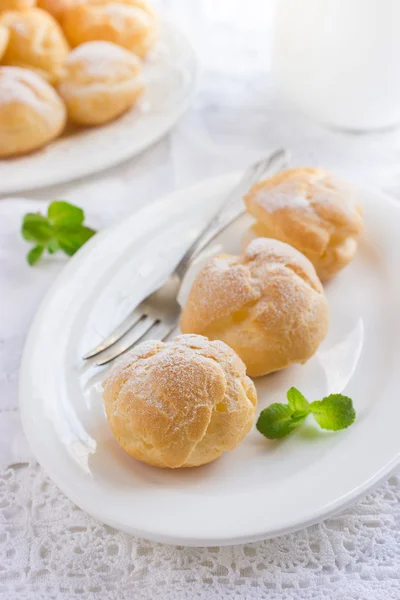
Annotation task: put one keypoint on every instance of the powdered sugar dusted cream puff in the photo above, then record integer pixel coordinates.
(268, 305)
(31, 112)
(181, 403)
(99, 82)
(311, 210)
(128, 23)
(36, 42)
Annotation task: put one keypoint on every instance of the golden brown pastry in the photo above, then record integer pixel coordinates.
(268, 305)
(100, 81)
(16, 4)
(36, 42)
(181, 403)
(55, 7)
(31, 113)
(4, 37)
(128, 23)
(311, 210)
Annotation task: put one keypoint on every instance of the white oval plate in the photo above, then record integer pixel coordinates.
(171, 73)
(263, 488)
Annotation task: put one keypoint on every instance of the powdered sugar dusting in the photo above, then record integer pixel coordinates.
(140, 360)
(161, 406)
(24, 87)
(123, 16)
(334, 190)
(21, 28)
(271, 278)
(98, 50)
(101, 59)
(175, 364)
(223, 286)
(273, 254)
(272, 249)
(282, 196)
(304, 194)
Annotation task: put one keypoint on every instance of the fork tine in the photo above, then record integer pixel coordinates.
(139, 331)
(162, 329)
(158, 330)
(127, 324)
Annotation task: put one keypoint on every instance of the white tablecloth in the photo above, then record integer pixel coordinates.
(51, 549)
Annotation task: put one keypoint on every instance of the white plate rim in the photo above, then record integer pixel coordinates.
(81, 169)
(325, 512)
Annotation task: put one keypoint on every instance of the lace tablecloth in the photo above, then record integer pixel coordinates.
(51, 549)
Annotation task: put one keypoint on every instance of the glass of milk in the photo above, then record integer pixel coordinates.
(339, 60)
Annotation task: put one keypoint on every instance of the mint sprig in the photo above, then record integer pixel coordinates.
(333, 412)
(62, 229)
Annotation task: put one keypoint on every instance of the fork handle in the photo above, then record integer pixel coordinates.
(277, 161)
(237, 211)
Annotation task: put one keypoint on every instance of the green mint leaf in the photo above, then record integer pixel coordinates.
(297, 401)
(34, 254)
(65, 215)
(333, 412)
(63, 229)
(71, 241)
(278, 420)
(36, 228)
(86, 233)
(52, 246)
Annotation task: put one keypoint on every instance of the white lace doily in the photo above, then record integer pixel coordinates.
(49, 549)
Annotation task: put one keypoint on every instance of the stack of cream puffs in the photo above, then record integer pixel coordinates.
(77, 60)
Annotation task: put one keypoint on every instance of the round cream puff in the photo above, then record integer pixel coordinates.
(99, 82)
(31, 112)
(128, 23)
(268, 305)
(181, 403)
(311, 210)
(36, 42)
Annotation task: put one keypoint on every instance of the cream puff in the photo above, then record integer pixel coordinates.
(36, 42)
(313, 211)
(31, 112)
(181, 403)
(99, 82)
(268, 305)
(128, 23)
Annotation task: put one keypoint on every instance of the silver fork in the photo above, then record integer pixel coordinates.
(158, 313)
